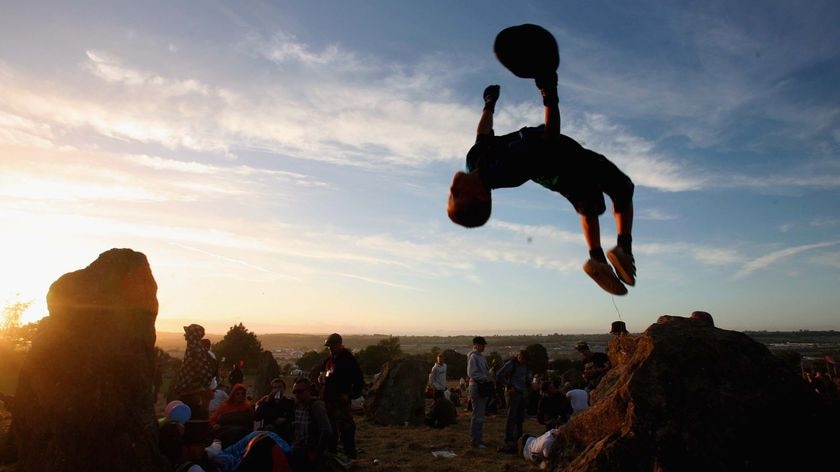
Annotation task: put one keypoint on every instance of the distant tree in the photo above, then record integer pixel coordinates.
(561, 365)
(286, 369)
(311, 359)
(537, 358)
(239, 344)
(10, 324)
(373, 357)
(456, 364)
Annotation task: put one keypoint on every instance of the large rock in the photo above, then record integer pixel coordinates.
(396, 397)
(86, 387)
(683, 396)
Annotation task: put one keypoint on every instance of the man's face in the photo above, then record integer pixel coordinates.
(439, 359)
(277, 387)
(466, 188)
(479, 347)
(335, 348)
(302, 392)
(520, 358)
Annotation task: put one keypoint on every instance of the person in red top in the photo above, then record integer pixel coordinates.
(234, 418)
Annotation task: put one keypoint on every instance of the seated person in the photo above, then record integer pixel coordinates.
(442, 413)
(183, 445)
(234, 418)
(312, 428)
(275, 411)
(554, 408)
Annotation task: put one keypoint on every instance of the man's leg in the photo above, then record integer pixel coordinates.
(477, 421)
(597, 266)
(346, 427)
(621, 256)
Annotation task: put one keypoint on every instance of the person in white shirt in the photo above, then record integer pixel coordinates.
(579, 399)
(437, 377)
(535, 449)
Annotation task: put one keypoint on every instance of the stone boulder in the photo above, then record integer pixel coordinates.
(685, 396)
(86, 388)
(396, 397)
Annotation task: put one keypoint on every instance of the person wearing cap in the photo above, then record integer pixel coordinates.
(479, 373)
(595, 365)
(343, 381)
(618, 328)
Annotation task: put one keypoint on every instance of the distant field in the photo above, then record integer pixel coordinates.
(558, 345)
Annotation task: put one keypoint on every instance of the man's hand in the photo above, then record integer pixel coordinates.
(491, 95)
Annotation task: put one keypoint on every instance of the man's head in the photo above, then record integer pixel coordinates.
(334, 342)
(439, 358)
(582, 347)
(522, 357)
(302, 390)
(278, 386)
(547, 388)
(469, 200)
(479, 343)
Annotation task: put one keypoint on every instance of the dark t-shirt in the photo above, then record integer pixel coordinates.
(561, 165)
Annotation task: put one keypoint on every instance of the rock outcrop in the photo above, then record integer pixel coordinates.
(86, 387)
(686, 396)
(396, 397)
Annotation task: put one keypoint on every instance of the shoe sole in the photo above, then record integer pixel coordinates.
(619, 270)
(619, 289)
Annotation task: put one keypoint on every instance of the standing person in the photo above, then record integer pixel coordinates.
(343, 381)
(312, 430)
(516, 377)
(437, 377)
(558, 163)
(236, 376)
(191, 384)
(481, 388)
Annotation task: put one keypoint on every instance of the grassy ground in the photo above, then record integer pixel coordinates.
(409, 448)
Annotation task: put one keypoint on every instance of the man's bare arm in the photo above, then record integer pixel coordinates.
(485, 123)
(548, 90)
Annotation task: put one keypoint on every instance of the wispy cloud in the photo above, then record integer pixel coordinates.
(655, 214)
(776, 256)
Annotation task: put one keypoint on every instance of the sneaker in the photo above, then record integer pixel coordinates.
(479, 446)
(625, 265)
(603, 275)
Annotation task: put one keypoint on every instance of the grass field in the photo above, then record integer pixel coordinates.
(399, 448)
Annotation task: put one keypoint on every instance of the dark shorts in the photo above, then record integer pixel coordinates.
(584, 176)
(601, 176)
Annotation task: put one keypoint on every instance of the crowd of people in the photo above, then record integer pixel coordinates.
(209, 427)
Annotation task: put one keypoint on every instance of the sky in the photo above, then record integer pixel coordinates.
(286, 164)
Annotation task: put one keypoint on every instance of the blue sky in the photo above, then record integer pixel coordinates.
(286, 164)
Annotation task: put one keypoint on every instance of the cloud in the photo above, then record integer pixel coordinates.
(704, 254)
(655, 214)
(776, 256)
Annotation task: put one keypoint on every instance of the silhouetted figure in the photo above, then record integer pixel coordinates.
(550, 159)
(343, 381)
(236, 376)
